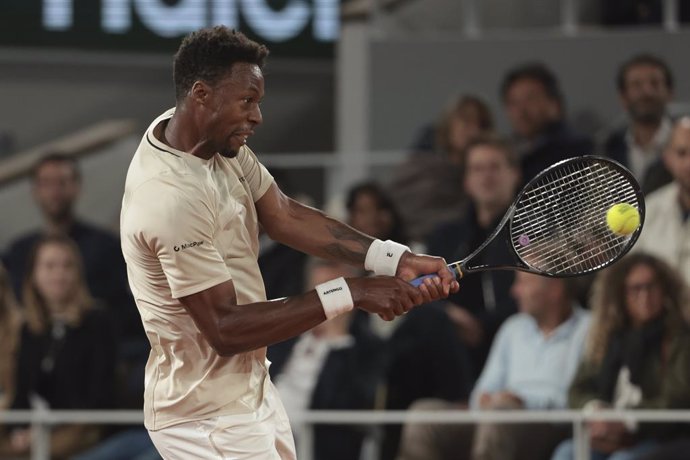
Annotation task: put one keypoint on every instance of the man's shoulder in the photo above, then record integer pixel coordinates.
(24, 240)
(662, 195)
(516, 323)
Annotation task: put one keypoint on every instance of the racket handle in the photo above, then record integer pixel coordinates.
(452, 268)
(418, 281)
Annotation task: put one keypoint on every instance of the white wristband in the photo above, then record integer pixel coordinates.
(383, 257)
(335, 297)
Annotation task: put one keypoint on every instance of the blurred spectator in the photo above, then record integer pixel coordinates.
(666, 232)
(464, 118)
(425, 359)
(535, 108)
(425, 187)
(531, 365)
(491, 178)
(637, 356)
(67, 348)
(645, 88)
(56, 186)
(370, 210)
(9, 331)
(329, 367)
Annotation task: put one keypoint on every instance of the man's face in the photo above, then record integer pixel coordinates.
(529, 107)
(56, 189)
(645, 93)
(677, 154)
(233, 111)
(535, 294)
(490, 180)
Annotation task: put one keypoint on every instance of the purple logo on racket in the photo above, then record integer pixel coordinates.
(523, 240)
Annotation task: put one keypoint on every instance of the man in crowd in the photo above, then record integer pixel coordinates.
(535, 107)
(645, 88)
(531, 365)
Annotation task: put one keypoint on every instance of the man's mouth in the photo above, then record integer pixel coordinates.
(243, 135)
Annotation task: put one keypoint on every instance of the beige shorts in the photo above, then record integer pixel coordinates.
(262, 435)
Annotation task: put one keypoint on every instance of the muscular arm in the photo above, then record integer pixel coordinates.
(232, 328)
(309, 230)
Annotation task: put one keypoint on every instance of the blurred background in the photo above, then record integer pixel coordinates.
(372, 111)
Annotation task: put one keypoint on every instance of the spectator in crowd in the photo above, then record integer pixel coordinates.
(490, 180)
(56, 186)
(535, 107)
(531, 365)
(330, 367)
(371, 210)
(9, 331)
(637, 356)
(67, 348)
(645, 88)
(666, 232)
(426, 188)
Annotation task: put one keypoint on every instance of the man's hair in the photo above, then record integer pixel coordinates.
(209, 54)
(497, 142)
(533, 71)
(643, 60)
(56, 157)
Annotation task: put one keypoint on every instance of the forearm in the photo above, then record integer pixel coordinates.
(242, 328)
(313, 232)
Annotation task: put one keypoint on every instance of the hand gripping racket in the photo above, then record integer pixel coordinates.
(557, 224)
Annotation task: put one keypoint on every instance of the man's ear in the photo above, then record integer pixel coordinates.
(200, 92)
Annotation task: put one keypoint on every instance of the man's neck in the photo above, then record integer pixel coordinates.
(487, 214)
(61, 225)
(550, 322)
(643, 133)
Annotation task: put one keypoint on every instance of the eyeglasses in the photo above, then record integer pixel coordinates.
(638, 288)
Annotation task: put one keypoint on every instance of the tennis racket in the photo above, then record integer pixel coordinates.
(557, 224)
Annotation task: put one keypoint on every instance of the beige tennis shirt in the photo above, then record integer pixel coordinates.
(188, 224)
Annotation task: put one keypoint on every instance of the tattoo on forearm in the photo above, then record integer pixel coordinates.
(350, 253)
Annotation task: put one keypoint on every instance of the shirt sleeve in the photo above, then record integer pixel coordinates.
(178, 228)
(493, 377)
(257, 176)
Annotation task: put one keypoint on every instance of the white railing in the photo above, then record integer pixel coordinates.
(42, 420)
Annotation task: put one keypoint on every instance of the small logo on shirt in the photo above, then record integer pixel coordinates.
(187, 245)
(330, 291)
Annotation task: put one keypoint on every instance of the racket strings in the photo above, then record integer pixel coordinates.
(559, 224)
(572, 246)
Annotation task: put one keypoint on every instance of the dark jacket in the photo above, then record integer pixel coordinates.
(348, 381)
(656, 175)
(559, 141)
(104, 269)
(76, 371)
(458, 239)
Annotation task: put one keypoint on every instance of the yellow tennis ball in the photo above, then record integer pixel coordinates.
(622, 219)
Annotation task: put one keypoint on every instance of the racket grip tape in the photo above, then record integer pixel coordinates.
(453, 268)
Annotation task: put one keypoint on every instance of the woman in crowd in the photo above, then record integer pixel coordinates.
(67, 348)
(637, 357)
(427, 187)
(371, 210)
(9, 329)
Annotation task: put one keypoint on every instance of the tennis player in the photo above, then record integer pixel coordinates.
(194, 198)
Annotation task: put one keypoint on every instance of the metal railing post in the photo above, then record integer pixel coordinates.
(40, 435)
(671, 15)
(569, 16)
